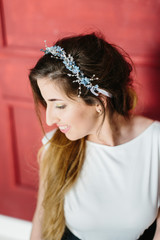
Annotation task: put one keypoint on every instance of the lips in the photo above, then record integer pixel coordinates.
(64, 128)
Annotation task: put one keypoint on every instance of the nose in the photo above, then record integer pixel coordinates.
(51, 117)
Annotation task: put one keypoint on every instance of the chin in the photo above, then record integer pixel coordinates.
(73, 138)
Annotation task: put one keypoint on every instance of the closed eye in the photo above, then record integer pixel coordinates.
(60, 106)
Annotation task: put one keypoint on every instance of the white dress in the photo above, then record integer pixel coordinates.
(116, 196)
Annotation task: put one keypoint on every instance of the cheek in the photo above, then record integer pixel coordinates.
(82, 124)
(85, 119)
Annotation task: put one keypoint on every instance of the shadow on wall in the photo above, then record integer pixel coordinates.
(149, 86)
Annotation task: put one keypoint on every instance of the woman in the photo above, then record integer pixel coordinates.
(99, 168)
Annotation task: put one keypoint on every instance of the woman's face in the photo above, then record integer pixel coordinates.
(73, 117)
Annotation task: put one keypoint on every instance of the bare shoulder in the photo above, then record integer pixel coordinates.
(141, 123)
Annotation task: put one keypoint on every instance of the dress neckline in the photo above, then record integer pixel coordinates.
(123, 144)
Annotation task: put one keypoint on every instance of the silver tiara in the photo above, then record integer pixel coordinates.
(70, 64)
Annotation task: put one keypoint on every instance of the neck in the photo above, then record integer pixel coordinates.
(112, 132)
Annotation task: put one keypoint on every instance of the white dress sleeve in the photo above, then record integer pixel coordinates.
(48, 136)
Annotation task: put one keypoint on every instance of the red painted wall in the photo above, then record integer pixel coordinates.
(23, 26)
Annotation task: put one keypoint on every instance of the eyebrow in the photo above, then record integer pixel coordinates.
(54, 99)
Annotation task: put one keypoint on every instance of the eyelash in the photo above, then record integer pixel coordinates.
(61, 107)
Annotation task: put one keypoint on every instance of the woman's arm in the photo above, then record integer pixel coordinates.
(36, 223)
(157, 234)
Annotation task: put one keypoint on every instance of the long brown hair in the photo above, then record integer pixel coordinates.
(63, 159)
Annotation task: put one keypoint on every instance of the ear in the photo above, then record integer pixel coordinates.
(98, 106)
(103, 100)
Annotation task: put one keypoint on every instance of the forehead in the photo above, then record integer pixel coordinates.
(49, 87)
(51, 90)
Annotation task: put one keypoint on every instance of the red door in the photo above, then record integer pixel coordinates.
(23, 26)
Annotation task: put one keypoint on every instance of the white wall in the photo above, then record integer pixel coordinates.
(14, 229)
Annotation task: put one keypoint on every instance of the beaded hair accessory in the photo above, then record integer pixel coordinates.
(70, 64)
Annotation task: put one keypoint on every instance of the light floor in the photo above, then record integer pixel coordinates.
(14, 229)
